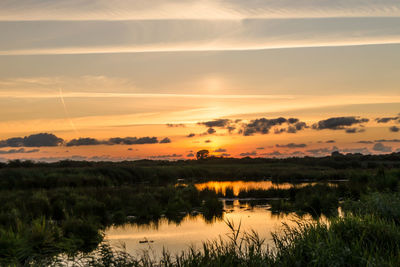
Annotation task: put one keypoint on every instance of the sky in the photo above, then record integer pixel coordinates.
(125, 80)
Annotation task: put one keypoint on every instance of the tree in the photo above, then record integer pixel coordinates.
(202, 154)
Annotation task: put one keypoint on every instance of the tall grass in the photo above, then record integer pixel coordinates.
(346, 241)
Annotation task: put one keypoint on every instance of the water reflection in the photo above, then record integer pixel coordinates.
(193, 230)
(237, 186)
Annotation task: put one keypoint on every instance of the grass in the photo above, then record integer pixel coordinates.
(346, 241)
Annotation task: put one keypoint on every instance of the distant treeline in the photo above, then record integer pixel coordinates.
(336, 160)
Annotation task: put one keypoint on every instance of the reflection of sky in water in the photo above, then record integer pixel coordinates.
(221, 186)
(194, 230)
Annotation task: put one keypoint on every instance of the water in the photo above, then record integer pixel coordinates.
(237, 186)
(193, 230)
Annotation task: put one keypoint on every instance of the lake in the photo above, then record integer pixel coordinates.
(192, 230)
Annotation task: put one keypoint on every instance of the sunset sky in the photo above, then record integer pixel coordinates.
(237, 77)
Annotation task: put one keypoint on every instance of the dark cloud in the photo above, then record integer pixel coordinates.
(291, 145)
(172, 125)
(394, 129)
(230, 128)
(190, 155)
(18, 151)
(279, 131)
(322, 151)
(354, 130)
(191, 135)
(361, 150)
(382, 148)
(273, 154)
(219, 150)
(115, 141)
(166, 156)
(297, 153)
(263, 126)
(84, 142)
(225, 155)
(330, 141)
(365, 142)
(34, 140)
(338, 123)
(247, 154)
(386, 119)
(298, 126)
(166, 140)
(208, 141)
(260, 148)
(222, 123)
(211, 131)
(132, 140)
(388, 140)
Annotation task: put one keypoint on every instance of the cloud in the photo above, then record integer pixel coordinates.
(221, 123)
(263, 126)
(111, 10)
(225, 155)
(219, 150)
(84, 142)
(382, 148)
(394, 129)
(297, 153)
(386, 119)
(388, 140)
(296, 127)
(322, 151)
(171, 125)
(247, 154)
(132, 140)
(18, 151)
(330, 141)
(260, 148)
(362, 150)
(292, 145)
(208, 141)
(165, 140)
(339, 123)
(166, 156)
(365, 142)
(115, 141)
(354, 130)
(190, 135)
(34, 140)
(190, 155)
(273, 154)
(211, 131)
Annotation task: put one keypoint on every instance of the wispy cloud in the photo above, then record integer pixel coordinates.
(82, 37)
(205, 9)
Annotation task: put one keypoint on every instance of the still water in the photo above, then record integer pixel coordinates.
(193, 230)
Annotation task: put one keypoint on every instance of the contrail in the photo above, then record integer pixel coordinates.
(66, 112)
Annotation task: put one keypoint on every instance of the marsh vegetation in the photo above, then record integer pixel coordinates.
(62, 210)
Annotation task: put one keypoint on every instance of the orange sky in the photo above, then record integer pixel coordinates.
(127, 69)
